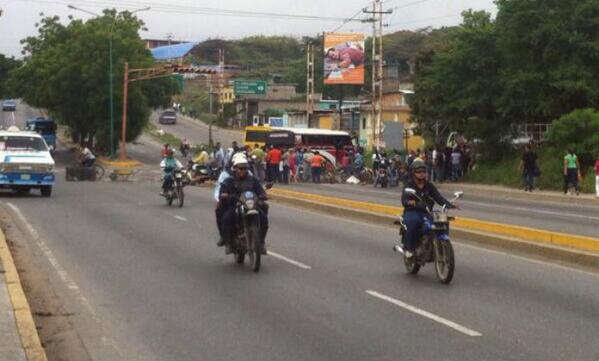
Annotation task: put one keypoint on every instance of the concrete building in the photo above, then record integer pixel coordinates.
(396, 121)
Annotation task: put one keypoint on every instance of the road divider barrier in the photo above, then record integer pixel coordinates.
(578, 249)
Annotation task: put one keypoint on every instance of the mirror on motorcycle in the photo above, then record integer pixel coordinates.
(410, 190)
(458, 195)
(268, 185)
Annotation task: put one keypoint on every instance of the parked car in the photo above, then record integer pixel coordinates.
(9, 105)
(169, 116)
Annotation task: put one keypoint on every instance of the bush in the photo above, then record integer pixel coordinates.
(578, 130)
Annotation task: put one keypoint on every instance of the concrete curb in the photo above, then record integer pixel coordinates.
(543, 196)
(30, 339)
(552, 248)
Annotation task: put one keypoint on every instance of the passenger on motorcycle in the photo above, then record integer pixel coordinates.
(415, 211)
(231, 188)
(202, 158)
(169, 165)
(87, 157)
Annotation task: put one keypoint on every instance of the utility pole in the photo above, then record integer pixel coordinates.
(310, 84)
(376, 112)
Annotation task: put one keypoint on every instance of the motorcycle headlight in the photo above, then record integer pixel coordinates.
(250, 204)
(440, 217)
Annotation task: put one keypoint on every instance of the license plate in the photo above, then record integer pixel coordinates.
(25, 176)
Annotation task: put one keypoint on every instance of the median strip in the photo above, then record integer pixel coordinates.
(588, 247)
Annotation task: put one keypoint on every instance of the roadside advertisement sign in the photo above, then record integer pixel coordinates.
(249, 87)
(344, 58)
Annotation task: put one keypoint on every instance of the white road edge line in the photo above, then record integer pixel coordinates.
(181, 218)
(289, 260)
(423, 313)
(64, 276)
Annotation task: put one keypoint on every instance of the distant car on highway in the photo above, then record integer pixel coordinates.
(169, 116)
(9, 105)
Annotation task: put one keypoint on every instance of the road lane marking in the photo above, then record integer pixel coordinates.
(423, 313)
(289, 260)
(535, 210)
(181, 218)
(64, 276)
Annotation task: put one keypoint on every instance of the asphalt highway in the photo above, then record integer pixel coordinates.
(517, 209)
(197, 132)
(148, 283)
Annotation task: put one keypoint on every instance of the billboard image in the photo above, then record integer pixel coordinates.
(344, 58)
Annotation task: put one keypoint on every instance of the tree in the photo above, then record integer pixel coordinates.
(66, 72)
(551, 51)
(579, 131)
(6, 66)
(456, 85)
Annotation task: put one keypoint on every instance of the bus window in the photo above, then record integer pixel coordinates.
(254, 136)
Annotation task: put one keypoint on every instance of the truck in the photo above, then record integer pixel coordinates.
(25, 162)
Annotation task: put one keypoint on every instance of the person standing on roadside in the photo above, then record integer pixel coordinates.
(285, 162)
(571, 171)
(274, 160)
(258, 155)
(316, 165)
(529, 168)
(456, 165)
(597, 176)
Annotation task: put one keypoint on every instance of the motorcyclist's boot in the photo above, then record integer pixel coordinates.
(221, 242)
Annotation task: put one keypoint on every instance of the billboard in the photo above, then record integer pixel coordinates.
(344, 58)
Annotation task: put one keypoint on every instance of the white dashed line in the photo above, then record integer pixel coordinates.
(426, 314)
(289, 260)
(181, 218)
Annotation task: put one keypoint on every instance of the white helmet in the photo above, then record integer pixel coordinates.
(239, 159)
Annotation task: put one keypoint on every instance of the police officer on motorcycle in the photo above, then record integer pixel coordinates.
(416, 207)
(230, 189)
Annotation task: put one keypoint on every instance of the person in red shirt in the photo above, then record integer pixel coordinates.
(274, 159)
(597, 176)
(165, 150)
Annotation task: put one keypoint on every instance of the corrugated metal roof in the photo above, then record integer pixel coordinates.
(172, 51)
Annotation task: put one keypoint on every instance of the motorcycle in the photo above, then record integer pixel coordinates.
(176, 190)
(248, 240)
(382, 174)
(434, 246)
(198, 173)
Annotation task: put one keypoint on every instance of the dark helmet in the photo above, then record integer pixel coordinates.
(417, 164)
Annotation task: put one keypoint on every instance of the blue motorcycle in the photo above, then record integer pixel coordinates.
(435, 244)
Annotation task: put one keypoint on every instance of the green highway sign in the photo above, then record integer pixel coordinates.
(250, 87)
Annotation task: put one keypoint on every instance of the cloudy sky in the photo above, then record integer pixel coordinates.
(197, 20)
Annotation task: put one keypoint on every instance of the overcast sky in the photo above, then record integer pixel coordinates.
(19, 16)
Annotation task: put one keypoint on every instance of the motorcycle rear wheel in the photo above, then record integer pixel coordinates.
(240, 257)
(444, 261)
(411, 265)
(180, 196)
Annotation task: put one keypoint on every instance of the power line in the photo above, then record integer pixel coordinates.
(350, 19)
(169, 8)
(408, 4)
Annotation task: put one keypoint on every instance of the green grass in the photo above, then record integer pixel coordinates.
(506, 173)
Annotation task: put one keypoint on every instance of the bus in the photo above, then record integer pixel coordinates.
(256, 135)
(46, 127)
(331, 143)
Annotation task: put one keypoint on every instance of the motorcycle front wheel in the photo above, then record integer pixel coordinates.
(253, 234)
(444, 261)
